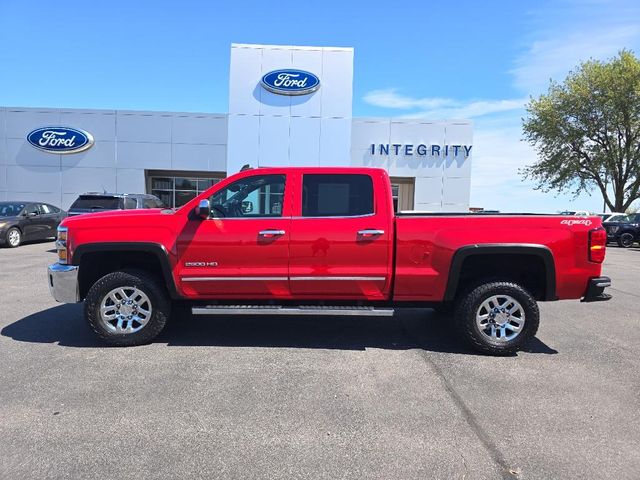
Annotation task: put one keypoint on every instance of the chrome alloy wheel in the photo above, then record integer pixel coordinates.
(14, 237)
(501, 318)
(125, 310)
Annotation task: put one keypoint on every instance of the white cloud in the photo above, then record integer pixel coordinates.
(554, 57)
(389, 98)
(433, 107)
(564, 34)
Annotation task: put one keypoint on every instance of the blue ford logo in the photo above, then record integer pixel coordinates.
(60, 139)
(290, 82)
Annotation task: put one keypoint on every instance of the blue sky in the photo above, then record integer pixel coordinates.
(466, 59)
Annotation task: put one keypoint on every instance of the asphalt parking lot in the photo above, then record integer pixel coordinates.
(316, 398)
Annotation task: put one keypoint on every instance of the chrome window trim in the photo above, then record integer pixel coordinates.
(340, 216)
(265, 217)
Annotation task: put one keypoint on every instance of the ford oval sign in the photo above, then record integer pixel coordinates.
(290, 82)
(60, 139)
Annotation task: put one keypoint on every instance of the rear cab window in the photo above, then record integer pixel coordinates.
(96, 202)
(337, 195)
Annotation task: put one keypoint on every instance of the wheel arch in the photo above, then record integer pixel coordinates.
(16, 226)
(99, 259)
(535, 254)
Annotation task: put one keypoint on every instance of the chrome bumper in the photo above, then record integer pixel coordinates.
(63, 283)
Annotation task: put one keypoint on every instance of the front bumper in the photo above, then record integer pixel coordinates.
(63, 283)
(595, 290)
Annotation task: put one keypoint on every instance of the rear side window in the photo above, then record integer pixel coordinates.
(130, 203)
(152, 203)
(336, 195)
(44, 209)
(96, 202)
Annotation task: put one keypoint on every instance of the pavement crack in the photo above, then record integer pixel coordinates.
(506, 471)
(625, 292)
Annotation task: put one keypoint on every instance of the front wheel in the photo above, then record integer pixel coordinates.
(625, 240)
(127, 308)
(498, 318)
(14, 238)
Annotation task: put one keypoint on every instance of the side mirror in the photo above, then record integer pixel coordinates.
(203, 210)
(247, 207)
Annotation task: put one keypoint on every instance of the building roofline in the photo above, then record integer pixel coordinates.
(291, 47)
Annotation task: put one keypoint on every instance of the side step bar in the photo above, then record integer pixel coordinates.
(284, 310)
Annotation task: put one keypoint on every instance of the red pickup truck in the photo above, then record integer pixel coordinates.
(323, 241)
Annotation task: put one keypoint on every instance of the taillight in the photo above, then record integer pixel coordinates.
(597, 244)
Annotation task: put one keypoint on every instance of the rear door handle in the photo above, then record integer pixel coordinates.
(370, 232)
(271, 233)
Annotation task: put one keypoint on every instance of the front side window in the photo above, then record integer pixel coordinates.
(33, 208)
(336, 195)
(250, 197)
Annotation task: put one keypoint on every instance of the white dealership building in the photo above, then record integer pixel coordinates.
(175, 155)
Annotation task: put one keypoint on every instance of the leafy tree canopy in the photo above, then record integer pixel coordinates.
(586, 131)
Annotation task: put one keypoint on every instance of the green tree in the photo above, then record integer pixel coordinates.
(586, 131)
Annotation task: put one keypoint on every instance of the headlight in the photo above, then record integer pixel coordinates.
(2, 224)
(61, 245)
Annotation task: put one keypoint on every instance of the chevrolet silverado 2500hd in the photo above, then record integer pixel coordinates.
(323, 241)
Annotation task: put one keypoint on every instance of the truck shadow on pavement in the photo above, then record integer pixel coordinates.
(413, 329)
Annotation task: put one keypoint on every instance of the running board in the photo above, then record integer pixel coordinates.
(301, 310)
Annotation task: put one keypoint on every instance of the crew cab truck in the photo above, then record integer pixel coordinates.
(323, 241)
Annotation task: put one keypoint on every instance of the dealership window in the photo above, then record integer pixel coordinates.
(402, 190)
(175, 189)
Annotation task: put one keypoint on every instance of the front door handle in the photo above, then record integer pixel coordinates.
(370, 233)
(271, 233)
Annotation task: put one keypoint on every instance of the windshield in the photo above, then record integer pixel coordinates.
(10, 209)
(96, 202)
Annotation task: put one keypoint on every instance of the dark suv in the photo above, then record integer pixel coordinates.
(101, 202)
(624, 232)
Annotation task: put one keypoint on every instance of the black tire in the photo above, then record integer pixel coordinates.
(469, 305)
(15, 233)
(158, 298)
(625, 240)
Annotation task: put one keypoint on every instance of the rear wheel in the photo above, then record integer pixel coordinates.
(625, 240)
(497, 317)
(127, 308)
(14, 237)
